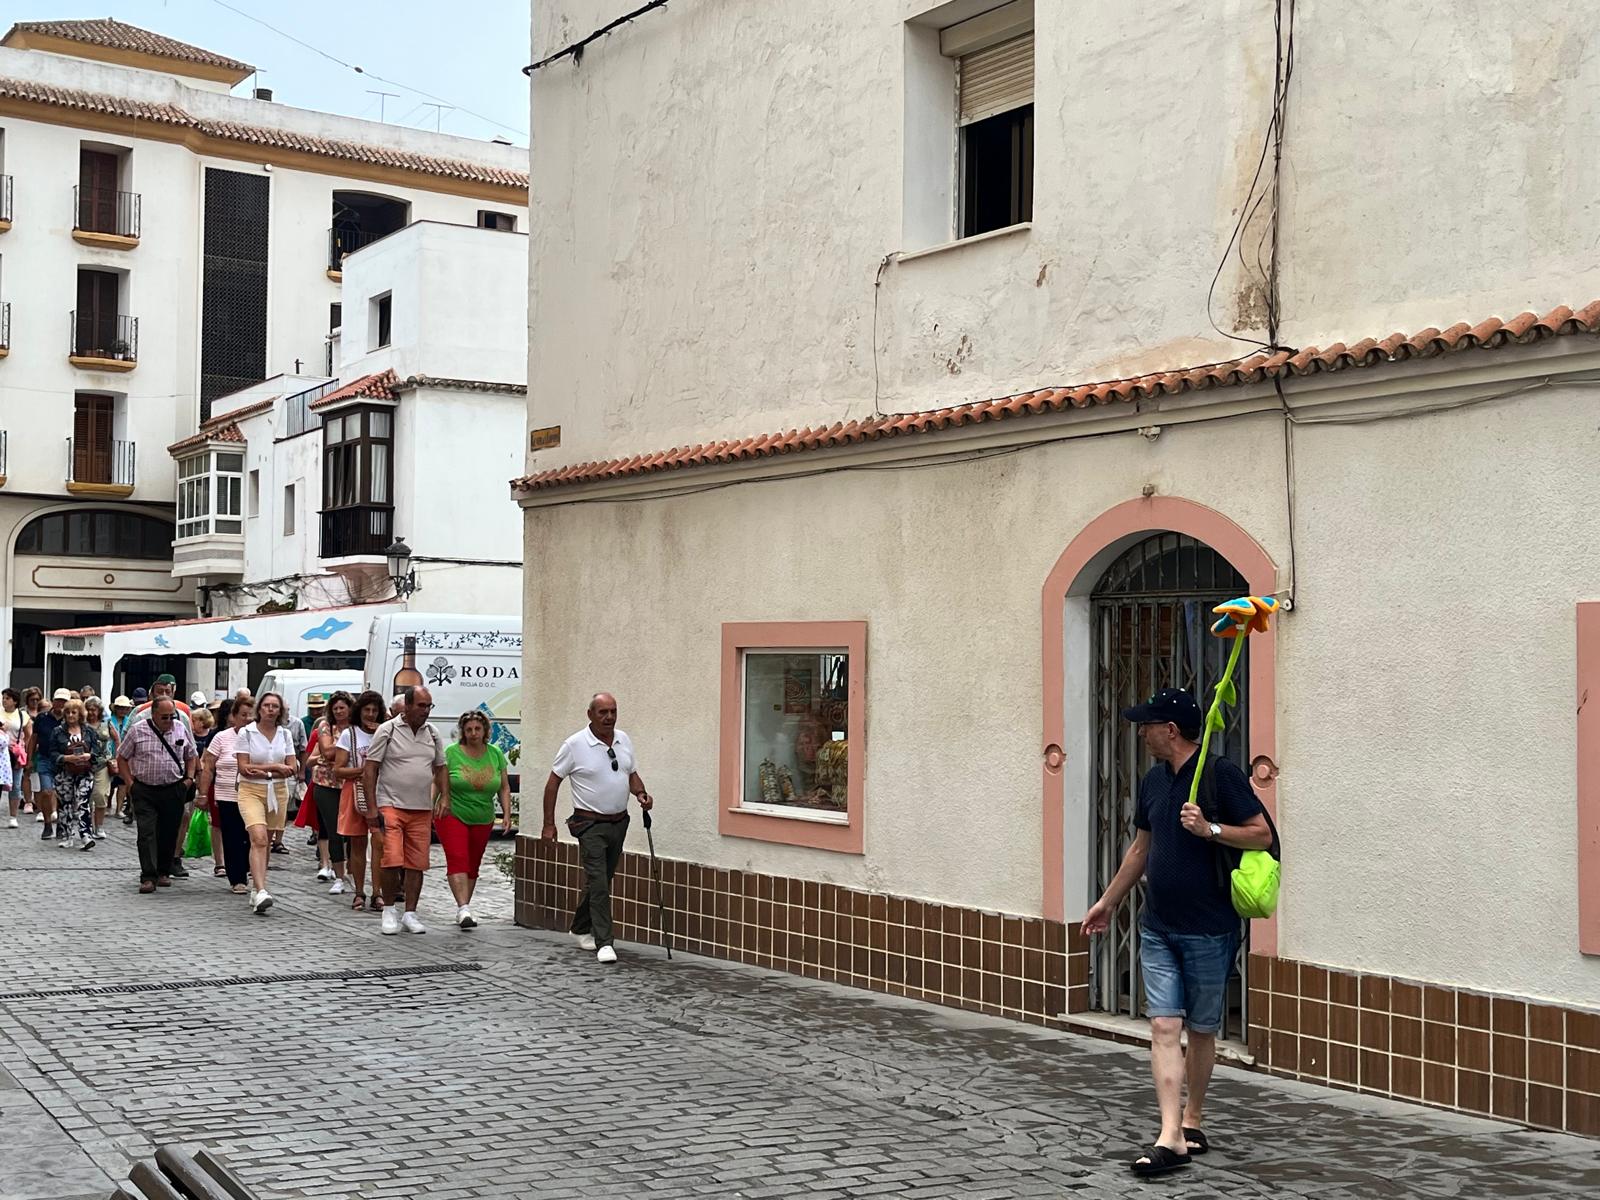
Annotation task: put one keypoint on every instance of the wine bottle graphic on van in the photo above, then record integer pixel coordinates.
(408, 675)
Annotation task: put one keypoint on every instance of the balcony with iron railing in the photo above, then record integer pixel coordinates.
(4, 447)
(362, 530)
(5, 329)
(103, 217)
(5, 203)
(103, 341)
(100, 467)
(346, 241)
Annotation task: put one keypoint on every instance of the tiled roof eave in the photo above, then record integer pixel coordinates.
(1263, 367)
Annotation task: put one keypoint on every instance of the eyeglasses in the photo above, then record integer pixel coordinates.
(161, 716)
(613, 755)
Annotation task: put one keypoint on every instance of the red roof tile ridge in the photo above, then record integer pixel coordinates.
(119, 35)
(1255, 367)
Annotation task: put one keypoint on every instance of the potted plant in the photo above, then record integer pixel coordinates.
(120, 349)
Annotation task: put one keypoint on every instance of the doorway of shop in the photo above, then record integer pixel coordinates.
(1151, 617)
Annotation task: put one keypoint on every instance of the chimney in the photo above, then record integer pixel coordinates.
(263, 93)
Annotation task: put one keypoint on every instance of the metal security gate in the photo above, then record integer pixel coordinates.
(1152, 616)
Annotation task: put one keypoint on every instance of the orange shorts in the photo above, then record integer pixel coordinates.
(406, 835)
(351, 822)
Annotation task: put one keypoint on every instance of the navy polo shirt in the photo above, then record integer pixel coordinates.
(1183, 896)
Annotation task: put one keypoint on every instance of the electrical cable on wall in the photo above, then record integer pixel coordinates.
(575, 50)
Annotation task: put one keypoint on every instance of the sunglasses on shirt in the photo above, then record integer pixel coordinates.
(613, 755)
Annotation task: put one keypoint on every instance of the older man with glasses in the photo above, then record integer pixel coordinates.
(158, 755)
(598, 762)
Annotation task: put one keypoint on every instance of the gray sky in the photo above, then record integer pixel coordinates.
(468, 54)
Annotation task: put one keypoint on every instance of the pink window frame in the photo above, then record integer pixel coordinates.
(844, 837)
(1589, 777)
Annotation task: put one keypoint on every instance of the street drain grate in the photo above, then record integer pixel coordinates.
(184, 985)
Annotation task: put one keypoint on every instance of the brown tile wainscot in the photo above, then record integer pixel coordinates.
(1499, 1056)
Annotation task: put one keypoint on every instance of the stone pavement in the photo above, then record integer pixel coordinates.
(324, 1060)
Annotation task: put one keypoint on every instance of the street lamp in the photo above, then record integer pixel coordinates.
(400, 572)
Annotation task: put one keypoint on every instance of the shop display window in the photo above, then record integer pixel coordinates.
(793, 732)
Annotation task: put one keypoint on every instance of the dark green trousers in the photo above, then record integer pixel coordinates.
(600, 850)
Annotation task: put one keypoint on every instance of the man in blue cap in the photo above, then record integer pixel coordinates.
(1188, 932)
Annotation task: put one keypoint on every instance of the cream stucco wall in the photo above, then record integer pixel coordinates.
(718, 185)
(1424, 687)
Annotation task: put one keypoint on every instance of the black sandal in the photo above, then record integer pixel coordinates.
(1196, 1139)
(1158, 1160)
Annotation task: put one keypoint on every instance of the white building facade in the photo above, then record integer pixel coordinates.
(926, 394)
(164, 243)
(290, 494)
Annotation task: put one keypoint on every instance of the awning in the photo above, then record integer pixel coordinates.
(306, 631)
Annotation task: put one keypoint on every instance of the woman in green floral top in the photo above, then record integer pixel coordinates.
(479, 774)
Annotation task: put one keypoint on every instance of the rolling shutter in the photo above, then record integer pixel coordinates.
(996, 79)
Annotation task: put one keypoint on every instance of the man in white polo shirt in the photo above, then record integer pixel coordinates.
(598, 762)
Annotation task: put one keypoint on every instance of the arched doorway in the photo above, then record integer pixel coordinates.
(1151, 615)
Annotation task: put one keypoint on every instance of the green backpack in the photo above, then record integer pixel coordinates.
(1249, 877)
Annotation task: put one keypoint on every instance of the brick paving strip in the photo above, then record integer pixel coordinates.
(324, 1060)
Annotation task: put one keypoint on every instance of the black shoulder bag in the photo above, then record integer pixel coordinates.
(188, 785)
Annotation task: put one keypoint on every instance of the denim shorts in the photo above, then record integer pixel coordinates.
(44, 778)
(1186, 975)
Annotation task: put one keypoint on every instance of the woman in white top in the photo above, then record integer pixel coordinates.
(359, 823)
(219, 775)
(17, 727)
(267, 764)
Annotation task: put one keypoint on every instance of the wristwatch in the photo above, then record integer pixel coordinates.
(1216, 831)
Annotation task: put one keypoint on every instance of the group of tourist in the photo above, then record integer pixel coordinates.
(375, 780)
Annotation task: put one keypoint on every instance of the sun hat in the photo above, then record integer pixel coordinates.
(61, 694)
(198, 700)
(122, 702)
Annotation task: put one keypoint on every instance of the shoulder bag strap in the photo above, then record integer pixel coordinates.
(167, 746)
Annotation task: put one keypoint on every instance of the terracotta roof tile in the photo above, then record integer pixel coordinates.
(378, 386)
(220, 433)
(262, 135)
(1522, 329)
(117, 36)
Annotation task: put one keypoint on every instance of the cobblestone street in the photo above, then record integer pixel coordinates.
(324, 1060)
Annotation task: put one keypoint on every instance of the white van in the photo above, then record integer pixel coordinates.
(467, 662)
(297, 687)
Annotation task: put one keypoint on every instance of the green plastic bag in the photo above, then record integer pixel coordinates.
(198, 843)
(1254, 884)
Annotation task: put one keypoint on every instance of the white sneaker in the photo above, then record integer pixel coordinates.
(585, 941)
(66, 843)
(465, 919)
(262, 902)
(606, 954)
(410, 923)
(38, 817)
(325, 874)
(391, 920)
(337, 889)
(13, 824)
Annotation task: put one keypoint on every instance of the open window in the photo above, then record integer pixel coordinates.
(357, 481)
(359, 219)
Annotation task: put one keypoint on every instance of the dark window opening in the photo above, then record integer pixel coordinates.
(385, 309)
(99, 533)
(359, 219)
(997, 172)
(357, 488)
(504, 222)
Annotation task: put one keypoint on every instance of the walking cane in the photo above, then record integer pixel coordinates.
(655, 873)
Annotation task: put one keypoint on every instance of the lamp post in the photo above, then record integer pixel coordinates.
(400, 572)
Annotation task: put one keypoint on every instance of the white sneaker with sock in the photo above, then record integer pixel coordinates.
(391, 920)
(13, 824)
(262, 902)
(411, 923)
(465, 919)
(338, 888)
(325, 874)
(606, 954)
